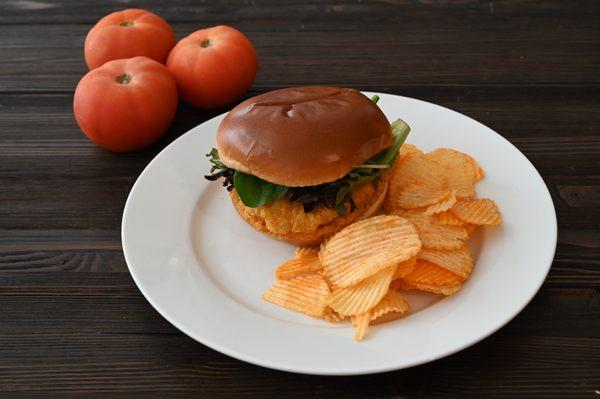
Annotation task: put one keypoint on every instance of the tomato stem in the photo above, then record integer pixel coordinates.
(124, 79)
(126, 23)
(207, 43)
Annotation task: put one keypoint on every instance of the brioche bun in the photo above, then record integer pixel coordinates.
(303, 136)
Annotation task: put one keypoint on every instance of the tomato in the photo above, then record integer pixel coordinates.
(128, 33)
(213, 67)
(125, 105)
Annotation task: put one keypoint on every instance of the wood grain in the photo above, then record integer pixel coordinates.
(72, 322)
(124, 341)
(398, 45)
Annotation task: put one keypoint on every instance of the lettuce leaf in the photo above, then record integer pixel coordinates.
(255, 192)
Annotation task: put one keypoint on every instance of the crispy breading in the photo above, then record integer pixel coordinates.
(287, 220)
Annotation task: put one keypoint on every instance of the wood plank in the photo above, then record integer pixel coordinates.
(406, 50)
(68, 240)
(55, 333)
(175, 366)
(63, 203)
(74, 11)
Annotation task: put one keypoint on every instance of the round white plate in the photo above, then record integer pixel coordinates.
(204, 269)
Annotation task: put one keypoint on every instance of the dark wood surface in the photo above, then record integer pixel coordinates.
(72, 322)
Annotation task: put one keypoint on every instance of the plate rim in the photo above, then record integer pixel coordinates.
(357, 370)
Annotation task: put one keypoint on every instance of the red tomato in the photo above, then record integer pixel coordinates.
(126, 34)
(125, 105)
(213, 67)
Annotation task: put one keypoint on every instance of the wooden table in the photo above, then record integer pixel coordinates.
(73, 323)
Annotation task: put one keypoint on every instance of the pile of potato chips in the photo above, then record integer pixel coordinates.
(421, 243)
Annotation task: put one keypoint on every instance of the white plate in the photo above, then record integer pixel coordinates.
(204, 269)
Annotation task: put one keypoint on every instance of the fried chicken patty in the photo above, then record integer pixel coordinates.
(286, 220)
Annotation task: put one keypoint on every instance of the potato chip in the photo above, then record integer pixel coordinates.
(443, 205)
(361, 323)
(434, 289)
(414, 169)
(389, 203)
(407, 151)
(477, 171)
(470, 228)
(396, 284)
(332, 316)
(366, 247)
(434, 235)
(420, 169)
(448, 155)
(305, 294)
(477, 211)
(418, 195)
(458, 168)
(392, 306)
(448, 217)
(458, 261)
(404, 268)
(298, 266)
(304, 251)
(363, 296)
(386, 318)
(430, 277)
(393, 301)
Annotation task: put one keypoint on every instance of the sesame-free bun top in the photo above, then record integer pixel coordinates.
(303, 136)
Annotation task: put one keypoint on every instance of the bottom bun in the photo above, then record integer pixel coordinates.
(287, 221)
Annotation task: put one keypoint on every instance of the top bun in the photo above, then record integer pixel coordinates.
(303, 136)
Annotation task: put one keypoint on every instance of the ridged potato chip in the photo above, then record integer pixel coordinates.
(470, 228)
(443, 205)
(448, 156)
(449, 218)
(481, 211)
(430, 273)
(298, 266)
(392, 304)
(418, 195)
(305, 294)
(386, 318)
(332, 316)
(305, 251)
(366, 247)
(404, 268)
(434, 235)
(430, 277)
(458, 168)
(420, 168)
(477, 170)
(434, 289)
(458, 261)
(407, 151)
(361, 322)
(363, 296)
(420, 245)
(393, 301)
(397, 284)
(414, 169)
